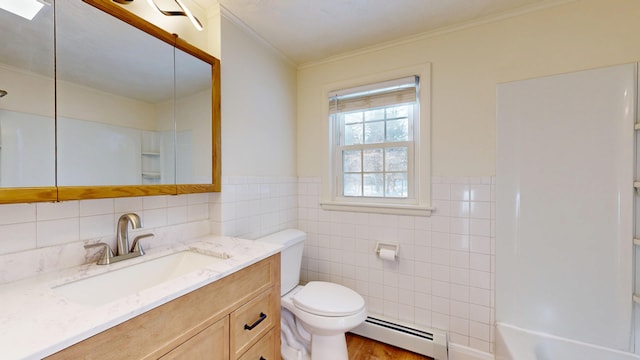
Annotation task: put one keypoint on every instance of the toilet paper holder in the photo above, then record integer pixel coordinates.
(392, 247)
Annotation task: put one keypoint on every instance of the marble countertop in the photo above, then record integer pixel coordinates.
(36, 322)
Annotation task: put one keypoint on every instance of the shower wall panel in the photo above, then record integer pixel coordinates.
(565, 205)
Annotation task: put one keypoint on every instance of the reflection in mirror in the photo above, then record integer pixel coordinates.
(193, 120)
(27, 126)
(115, 107)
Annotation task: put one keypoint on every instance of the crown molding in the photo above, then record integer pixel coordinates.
(227, 14)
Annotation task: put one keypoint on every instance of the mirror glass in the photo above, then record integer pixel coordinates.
(193, 120)
(27, 100)
(115, 101)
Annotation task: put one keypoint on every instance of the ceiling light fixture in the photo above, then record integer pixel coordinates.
(24, 8)
(184, 11)
(196, 23)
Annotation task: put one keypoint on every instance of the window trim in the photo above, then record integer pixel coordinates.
(420, 205)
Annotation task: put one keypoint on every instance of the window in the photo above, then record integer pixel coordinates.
(376, 148)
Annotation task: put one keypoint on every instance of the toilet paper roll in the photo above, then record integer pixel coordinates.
(387, 254)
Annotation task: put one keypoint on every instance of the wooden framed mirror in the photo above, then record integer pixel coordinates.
(137, 109)
(180, 86)
(27, 107)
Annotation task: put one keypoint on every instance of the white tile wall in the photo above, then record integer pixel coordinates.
(444, 277)
(30, 231)
(253, 206)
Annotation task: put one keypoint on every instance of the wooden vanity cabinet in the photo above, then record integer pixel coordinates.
(236, 317)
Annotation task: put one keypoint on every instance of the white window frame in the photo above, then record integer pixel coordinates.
(420, 203)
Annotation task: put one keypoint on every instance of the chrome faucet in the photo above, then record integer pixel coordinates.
(122, 238)
(122, 235)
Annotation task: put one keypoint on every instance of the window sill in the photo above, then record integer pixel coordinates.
(414, 210)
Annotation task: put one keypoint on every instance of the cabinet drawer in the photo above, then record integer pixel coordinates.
(251, 321)
(210, 343)
(264, 349)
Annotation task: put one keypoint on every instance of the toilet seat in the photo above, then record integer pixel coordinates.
(328, 299)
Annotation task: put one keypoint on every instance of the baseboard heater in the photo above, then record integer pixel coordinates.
(405, 336)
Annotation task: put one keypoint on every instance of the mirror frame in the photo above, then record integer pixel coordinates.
(96, 192)
(64, 193)
(17, 195)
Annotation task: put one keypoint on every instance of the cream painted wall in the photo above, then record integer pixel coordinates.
(23, 87)
(258, 107)
(214, 26)
(466, 66)
(84, 103)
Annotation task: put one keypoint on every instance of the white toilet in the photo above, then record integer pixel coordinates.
(325, 310)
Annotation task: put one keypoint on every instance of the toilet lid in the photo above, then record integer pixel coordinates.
(328, 299)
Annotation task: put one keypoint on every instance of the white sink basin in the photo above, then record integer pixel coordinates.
(112, 285)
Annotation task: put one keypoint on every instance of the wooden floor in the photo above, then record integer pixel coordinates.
(361, 348)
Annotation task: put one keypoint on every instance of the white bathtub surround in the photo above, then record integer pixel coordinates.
(254, 206)
(516, 343)
(565, 154)
(36, 322)
(444, 276)
(42, 237)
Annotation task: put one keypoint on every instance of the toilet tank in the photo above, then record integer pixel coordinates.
(290, 258)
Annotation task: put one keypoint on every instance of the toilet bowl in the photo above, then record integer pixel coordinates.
(326, 310)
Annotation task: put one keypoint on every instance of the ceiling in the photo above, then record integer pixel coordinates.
(303, 30)
(312, 30)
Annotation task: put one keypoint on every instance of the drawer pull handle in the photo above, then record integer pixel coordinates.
(262, 358)
(250, 327)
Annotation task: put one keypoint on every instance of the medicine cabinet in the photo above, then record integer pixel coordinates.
(129, 110)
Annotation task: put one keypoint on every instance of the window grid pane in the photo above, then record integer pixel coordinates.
(381, 170)
(352, 184)
(352, 161)
(374, 132)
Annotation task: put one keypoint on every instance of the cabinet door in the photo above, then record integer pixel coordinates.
(210, 343)
(263, 350)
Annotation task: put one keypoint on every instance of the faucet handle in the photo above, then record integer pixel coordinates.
(136, 243)
(107, 254)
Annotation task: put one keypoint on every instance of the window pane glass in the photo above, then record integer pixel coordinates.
(374, 146)
(377, 114)
(351, 185)
(374, 132)
(398, 111)
(351, 161)
(373, 185)
(353, 134)
(398, 130)
(396, 159)
(353, 117)
(396, 185)
(372, 160)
